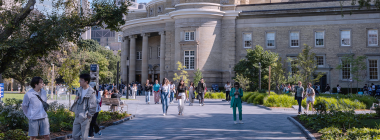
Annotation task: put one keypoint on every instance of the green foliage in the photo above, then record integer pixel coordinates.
(60, 118)
(246, 95)
(197, 77)
(280, 101)
(337, 104)
(256, 97)
(12, 116)
(306, 65)
(105, 116)
(243, 81)
(358, 67)
(182, 75)
(249, 67)
(367, 100)
(17, 134)
(353, 133)
(278, 74)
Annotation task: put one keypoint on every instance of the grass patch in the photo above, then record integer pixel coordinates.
(370, 123)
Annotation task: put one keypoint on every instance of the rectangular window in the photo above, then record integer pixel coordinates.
(373, 70)
(345, 36)
(319, 38)
(189, 36)
(119, 38)
(247, 40)
(189, 60)
(346, 70)
(158, 52)
(138, 56)
(293, 65)
(150, 52)
(270, 39)
(320, 61)
(294, 39)
(372, 38)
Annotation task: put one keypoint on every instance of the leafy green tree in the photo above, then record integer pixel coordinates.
(306, 64)
(358, 67)
(70, 71)
(26, 32)
(182, 74)
(243, 81)
(249, 67)
(197, 77)
(278, 74)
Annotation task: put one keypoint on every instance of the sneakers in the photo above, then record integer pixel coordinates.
(90, 137)
(189, 104)
(100, 133)
(164, 114)
(235, 122)
(241, 122)
(203, 104)
(200, 104)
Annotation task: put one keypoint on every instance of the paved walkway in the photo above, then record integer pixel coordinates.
(212, 121)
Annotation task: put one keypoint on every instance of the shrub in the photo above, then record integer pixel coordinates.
(17, 134)
(105, 116)
(259, 99)
(367, 100)
(246, 96)
(353, 133)
(335, 103)
(280, 101)
(251, 98)
(60, 118)
(12, 116)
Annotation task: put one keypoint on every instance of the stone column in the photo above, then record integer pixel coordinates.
(132, 59)
(145, 51)
(162, 56)
(124, 56)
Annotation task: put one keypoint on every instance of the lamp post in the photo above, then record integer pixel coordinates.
(259, 76)
(127, 95)
(230, 74)
(52, 81)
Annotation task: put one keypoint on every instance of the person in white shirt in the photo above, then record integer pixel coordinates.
(310, 94)
(228, 89)
(32, 106)
(172, 91)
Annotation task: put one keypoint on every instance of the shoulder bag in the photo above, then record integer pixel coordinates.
(44, 104)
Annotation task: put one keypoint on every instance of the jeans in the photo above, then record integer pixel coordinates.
(201, 97)
(299, 100)
(171, 96)
(164, 99)
(94, 125)
(228, 97)
(147, 96)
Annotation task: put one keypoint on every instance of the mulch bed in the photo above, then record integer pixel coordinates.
(64, 133)
(313, 132)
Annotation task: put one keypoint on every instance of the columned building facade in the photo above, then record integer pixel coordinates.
(213, 35)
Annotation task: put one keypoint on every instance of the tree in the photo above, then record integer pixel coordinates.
(249, 67)
(182, 74)
(306, 64)
(278, 74)
(356, 66)
(197, 77)
(243, 81)
(70, 71)
(24, 34)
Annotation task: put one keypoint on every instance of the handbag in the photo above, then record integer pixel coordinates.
(44, 104)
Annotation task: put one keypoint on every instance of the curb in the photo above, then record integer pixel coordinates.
(303, 129)
(69, 136)
(261, 106)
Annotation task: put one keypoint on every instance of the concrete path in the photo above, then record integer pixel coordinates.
(212, 121)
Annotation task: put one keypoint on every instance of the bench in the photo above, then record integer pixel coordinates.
(114, 102)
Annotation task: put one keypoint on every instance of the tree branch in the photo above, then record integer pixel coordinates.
(17, 20)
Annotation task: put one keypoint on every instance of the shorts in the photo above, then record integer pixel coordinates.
(310, 100)
(39, 127)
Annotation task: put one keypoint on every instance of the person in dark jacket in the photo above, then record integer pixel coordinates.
(116, 94)
(201, 90)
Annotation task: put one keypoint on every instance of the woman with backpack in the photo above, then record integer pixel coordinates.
(236, 94)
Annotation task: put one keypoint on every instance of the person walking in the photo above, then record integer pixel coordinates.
(33, 108)
(228, 89)
(310, 98)
(181, 96)
(84, 108)
(134, 90)
(201, 90)
(318, 90)
(299, 95)
(172, 91)
(147, 89)
(93, 124)
(156, 92)
(373, 90)
(191, 94)
(164, 96)
(236, 94)
(338, 88)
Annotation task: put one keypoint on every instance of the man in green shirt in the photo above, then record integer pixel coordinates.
(299, 95)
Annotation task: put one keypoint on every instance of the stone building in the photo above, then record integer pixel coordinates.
(213, 35)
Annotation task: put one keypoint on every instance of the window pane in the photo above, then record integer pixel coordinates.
(320, 61)
(187, 62)
(373, 69)
(192, 36)
(191, 62)
(319, 37)
(187, 36)
(372, 37)
(346, 71)
(270, 39)
(345, 36)
(247, 40)
(186, 53)
(192, 53)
